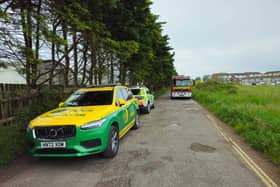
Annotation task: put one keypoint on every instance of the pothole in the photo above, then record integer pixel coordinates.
(139, 154)
(197, 147)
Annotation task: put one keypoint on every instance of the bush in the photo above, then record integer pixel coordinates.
(12, 138)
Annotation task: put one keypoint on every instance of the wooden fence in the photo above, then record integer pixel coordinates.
(14, 97)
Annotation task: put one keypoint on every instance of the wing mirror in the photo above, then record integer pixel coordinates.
(60, 104)
(121, 102)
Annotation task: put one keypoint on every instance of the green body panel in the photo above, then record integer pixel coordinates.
(121, 117)
(82, 135)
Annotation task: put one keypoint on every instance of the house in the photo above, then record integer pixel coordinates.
(249, 78)
(9, 74)
(45, 70)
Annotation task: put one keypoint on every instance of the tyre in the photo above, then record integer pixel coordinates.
(137, 121)
(153, 106)
(148, 109)
(113, 143)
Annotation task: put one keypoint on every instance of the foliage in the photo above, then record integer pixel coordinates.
(161, 92)
(206, 77)
(87, 41)
(252, 111)
(12, 138)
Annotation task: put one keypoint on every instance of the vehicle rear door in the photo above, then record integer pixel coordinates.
(130, 105)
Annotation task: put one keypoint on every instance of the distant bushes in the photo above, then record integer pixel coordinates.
(254, 112)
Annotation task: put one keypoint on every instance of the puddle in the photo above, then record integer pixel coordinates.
(197, 147)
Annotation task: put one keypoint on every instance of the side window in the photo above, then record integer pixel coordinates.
(130, 95)
(148, 91)
(119, 96)
(125, 93)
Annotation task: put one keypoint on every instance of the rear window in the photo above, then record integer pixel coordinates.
(135, 91)
(90, 98)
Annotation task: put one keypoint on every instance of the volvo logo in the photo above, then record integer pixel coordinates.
(53, 133)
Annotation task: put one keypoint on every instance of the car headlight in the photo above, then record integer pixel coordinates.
(93, 124)
(29, 128)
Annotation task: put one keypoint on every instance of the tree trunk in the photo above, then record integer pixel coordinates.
(54, 26)
(66, 55)
(25, 51)
(92, 71)
(75, 59)
(85, 62)
(112, 70)
(35, 63)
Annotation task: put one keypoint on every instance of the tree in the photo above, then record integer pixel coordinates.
(87, 41)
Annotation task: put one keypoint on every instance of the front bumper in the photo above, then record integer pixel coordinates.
(142, 104)
(181, 94)
(85, 142)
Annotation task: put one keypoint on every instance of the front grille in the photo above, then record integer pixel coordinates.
(182, 90)
(56, 151)
(55, 132)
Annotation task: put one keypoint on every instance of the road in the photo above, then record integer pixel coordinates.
(177, 145)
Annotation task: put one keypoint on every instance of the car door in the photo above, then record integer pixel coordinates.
(131, 111)
(150, 97)
(123, 109)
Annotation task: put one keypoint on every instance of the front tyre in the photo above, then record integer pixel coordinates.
(137, 121)
(113, 143)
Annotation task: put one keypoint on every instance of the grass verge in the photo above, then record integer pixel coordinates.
(253, 111)
(13, 142)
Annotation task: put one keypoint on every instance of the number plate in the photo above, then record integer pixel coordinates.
(53, 144)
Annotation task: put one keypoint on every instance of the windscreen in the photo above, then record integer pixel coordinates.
(90, 98)
(184, 82)
(135, 91)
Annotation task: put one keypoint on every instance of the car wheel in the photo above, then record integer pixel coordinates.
(148, 109)
(137, 121)
(113, 143)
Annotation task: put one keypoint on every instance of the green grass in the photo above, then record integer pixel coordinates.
(253, 111)
(13, 142)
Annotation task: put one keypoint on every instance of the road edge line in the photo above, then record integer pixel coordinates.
(258, 171)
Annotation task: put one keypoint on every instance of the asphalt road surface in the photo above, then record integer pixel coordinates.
(177, 145)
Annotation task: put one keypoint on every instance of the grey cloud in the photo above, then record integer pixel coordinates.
(217, 35)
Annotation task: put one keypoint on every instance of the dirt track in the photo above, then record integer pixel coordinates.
(177, 145)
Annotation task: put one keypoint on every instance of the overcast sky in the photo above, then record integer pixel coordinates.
(211, 36)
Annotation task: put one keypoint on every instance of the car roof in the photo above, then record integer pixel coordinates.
(138, 87)
(101, 87)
